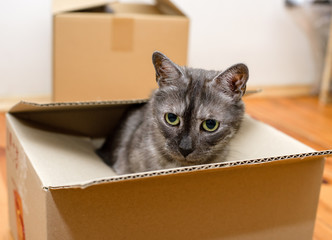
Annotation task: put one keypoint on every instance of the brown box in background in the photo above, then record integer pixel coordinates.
(105, 52)
(58, 188)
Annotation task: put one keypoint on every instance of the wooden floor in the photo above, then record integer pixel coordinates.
(302, 118)
(310, 122)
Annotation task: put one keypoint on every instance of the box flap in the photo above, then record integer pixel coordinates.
(59, 6)
(160, 7)
(92, 119)
(72, 5)
(167, 7)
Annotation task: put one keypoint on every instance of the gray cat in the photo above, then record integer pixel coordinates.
(189, 120)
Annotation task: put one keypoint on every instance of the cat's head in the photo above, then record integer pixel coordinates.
(196, 111)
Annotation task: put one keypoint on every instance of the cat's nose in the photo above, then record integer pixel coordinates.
(185, 152)
(185, 146)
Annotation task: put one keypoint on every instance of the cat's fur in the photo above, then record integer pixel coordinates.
(146, 141)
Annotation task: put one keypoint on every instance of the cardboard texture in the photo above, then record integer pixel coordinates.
(267, 189)
(104, 53)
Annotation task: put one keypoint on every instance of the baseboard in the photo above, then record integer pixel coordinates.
(279, 91)
(325, 97)
(7, 102)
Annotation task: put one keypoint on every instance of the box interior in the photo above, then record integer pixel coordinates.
(119, 8)
(160, 8)
(70, 152)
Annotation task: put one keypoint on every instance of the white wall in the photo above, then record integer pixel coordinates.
(260, 33)
(25, 48)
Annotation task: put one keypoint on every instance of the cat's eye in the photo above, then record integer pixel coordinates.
(172, 119)
(210, 125)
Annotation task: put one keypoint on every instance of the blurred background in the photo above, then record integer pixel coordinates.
(83, 50)
(284, 44)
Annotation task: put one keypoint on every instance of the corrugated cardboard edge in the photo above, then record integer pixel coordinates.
(25, 106)
(195, 168)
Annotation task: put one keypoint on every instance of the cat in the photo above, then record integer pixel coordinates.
(188, 120)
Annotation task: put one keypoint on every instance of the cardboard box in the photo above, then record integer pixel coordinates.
(105, 52)
(60, 189)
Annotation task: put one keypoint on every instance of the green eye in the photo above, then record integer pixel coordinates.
(172, 119)
(210, 125)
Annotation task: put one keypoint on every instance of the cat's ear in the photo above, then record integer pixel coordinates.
(166, 71)
(233, 80)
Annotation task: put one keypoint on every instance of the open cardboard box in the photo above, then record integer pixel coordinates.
(102, 50)
(60, 189)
